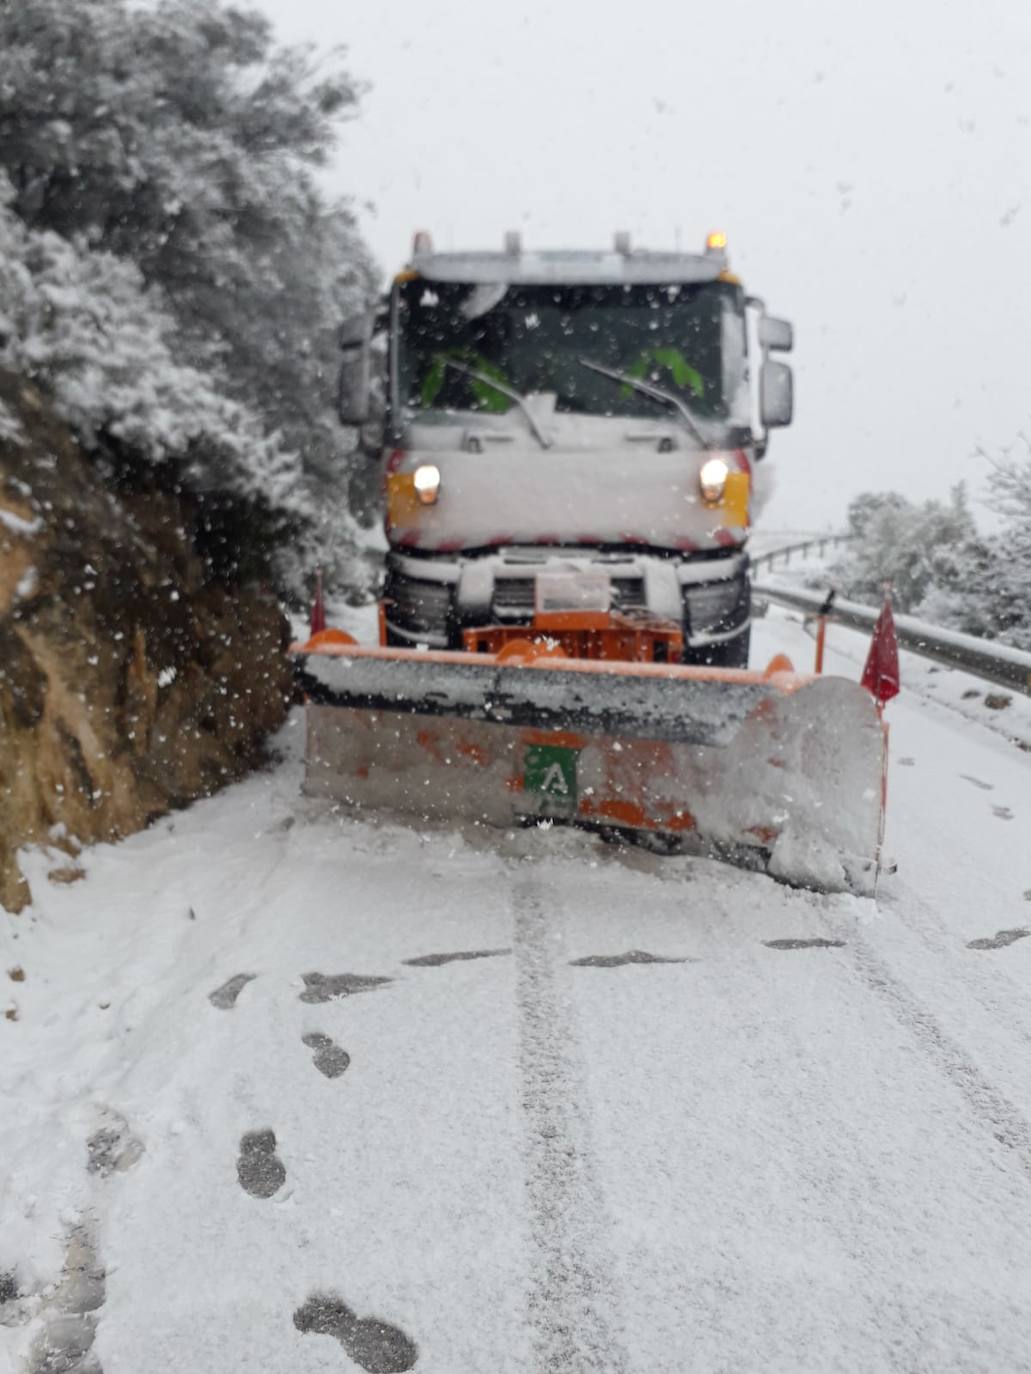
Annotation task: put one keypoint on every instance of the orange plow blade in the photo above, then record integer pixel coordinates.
(776, 771)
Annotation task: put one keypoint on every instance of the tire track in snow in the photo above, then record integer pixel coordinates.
(988, 985)
(573, 1305)
(991, 1107)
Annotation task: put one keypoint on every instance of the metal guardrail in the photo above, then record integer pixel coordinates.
(818, 542)
(996, 663)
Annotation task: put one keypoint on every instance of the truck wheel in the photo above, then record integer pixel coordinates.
(732, 653)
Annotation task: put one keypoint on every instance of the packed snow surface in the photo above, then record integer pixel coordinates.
(292, 1092)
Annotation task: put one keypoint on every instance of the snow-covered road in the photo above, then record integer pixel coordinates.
(605, 1111)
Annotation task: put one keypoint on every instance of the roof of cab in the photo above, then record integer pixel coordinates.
(569, 267)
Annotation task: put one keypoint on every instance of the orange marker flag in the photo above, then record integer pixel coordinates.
(881, 674)
(318, 607)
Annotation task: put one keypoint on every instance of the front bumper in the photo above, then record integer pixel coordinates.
(431, 600)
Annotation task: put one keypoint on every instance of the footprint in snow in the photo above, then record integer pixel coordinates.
(225, 997)
(330, 1060)
(818, 942)
(374, 1345)
(984, 786)
(64, 1339)
(1003, 813)
(258, 1167)
(112, 1147)
(323, 987)
(435, 960)
(632, 956)
(1000, 939)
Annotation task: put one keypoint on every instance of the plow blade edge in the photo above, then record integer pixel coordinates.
(781, 772)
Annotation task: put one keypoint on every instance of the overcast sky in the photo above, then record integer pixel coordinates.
(871, 164)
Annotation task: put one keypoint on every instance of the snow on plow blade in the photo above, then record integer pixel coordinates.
(776, 771)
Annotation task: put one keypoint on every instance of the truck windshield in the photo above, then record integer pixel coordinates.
(686, 339)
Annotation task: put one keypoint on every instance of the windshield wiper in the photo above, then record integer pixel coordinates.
(648, 389)
(505, 390)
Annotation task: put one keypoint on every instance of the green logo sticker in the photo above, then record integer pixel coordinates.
(550, 772)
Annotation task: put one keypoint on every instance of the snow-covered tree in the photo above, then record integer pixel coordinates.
(938, 564)
(992, 588)
(83, 323)
(1013, 501)
(181, 138)
(912, 547)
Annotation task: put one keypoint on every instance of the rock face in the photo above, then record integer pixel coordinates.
(132, 680)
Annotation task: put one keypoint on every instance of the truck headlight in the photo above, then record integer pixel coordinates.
(427, 483)
(713, 478)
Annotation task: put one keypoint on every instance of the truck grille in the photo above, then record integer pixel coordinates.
(421, 607)
(628, 594)
(514, 596)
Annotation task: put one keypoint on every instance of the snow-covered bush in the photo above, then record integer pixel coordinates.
(83, 323)
(910, 546)
(939, 566)
(163, 161)
(1012, 588)
(993, 578)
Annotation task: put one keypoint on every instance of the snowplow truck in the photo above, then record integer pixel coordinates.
(569, 445)
(548, 411)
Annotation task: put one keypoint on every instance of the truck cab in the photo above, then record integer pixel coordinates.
(590, 412)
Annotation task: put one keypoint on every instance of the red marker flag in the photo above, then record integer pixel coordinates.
(881, 674)
(318, 607)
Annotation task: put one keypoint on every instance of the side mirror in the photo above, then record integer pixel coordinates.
(777, 395)
(776, 335)
(353, 387)
(355, 331)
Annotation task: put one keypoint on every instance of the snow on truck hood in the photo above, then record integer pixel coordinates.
(592, 486)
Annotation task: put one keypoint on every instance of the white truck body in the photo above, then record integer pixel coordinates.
(566, 407)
